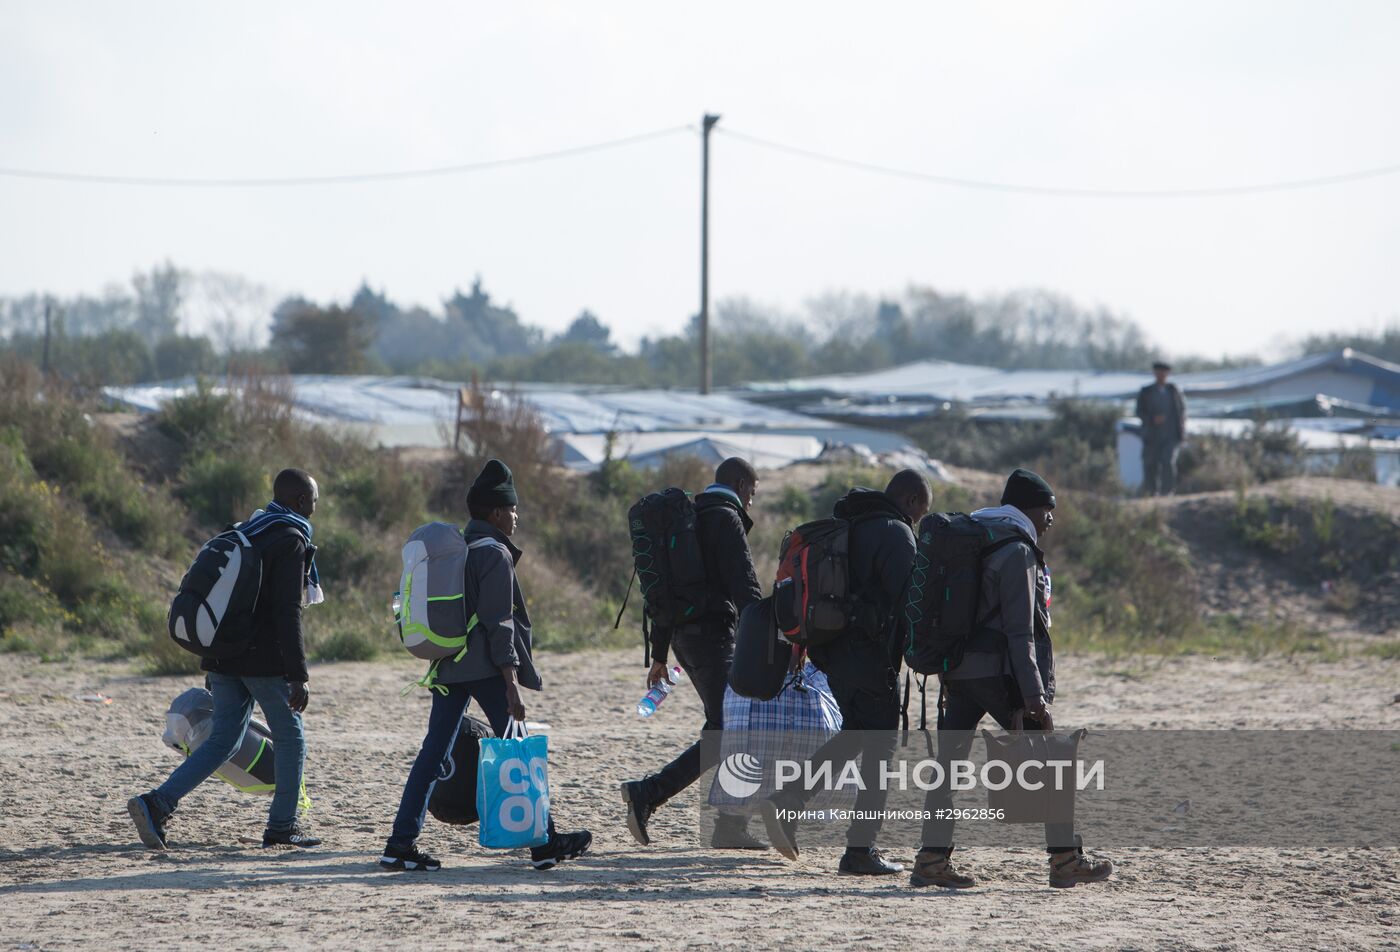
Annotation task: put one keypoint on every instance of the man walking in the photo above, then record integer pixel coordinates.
(705, 648)
(497, 663)
(1162, 411)
(1008, 671)
(272, 672)
(862, 666)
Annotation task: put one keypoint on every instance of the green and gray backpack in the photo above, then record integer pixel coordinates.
(432, 615)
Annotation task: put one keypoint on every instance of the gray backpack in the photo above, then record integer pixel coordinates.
(432, 615)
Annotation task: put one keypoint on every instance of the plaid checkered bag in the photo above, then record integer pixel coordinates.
(792, 725)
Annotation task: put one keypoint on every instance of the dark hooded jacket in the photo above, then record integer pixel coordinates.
(722, 528)
(882, 556)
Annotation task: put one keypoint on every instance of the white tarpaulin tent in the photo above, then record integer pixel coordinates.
(647, 425)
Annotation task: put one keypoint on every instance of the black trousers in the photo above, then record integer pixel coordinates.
(965, 704)
(705, 656)
(1159, 457)
(866, 688)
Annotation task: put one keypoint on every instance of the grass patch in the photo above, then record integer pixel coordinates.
(1385, 650)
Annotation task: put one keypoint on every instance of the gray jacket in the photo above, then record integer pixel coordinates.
(501, 635)
(1014, 637)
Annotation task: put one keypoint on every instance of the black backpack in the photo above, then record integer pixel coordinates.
(212, 614)
(670, 568)
(454, 795)
(940, 610)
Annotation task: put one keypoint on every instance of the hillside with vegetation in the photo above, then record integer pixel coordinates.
(100, 513)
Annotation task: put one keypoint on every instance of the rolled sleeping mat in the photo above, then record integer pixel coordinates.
(761, 657)
(188, 724)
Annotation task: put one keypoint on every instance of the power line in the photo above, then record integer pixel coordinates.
(1059, 192)
(348, 179)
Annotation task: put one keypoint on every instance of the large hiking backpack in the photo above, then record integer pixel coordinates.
(812, 598)
(454, 795)
(670, 568)
(212, 613)
(432, 617)
(940, 609)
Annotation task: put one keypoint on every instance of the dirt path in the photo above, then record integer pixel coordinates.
(72, 874)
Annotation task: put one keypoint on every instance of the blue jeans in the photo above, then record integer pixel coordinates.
(444, 721)
(233, 705)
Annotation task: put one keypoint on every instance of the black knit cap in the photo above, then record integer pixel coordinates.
(495, 487)
(1026, 490)
(1161, 365)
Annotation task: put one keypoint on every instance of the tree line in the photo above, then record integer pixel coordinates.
(132, 333)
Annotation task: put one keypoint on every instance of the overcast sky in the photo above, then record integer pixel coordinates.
(1085, 95)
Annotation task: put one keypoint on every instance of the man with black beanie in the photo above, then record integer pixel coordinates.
(1008, 671)
(496, 665)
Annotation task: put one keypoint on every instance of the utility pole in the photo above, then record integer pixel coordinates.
(705, 375)
(48, 308)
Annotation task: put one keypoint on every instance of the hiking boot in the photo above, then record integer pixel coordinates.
(561, 846)
(408, 858)
(150, 821)
(1071, 867)
(639, 811)
(296, 836)
(871, 862)
(732, 833)
(933, 868)
(782, 832)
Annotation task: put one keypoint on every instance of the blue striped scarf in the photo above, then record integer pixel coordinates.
(275, 514)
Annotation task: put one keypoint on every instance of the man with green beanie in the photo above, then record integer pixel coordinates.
(496, 665)
(1008, 671)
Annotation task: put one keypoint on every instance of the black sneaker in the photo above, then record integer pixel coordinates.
(296, 836)
(639, 811)
(561, 846)
(408, 857)
(782, 833)
(869, 862)
(149, 820)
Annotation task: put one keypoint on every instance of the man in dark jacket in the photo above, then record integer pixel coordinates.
(705, 648)
(862, 666)
(496, 665)
(272, 672)
(1162, 412)
(1008, 671)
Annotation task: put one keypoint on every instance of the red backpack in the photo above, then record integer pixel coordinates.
(812, 598)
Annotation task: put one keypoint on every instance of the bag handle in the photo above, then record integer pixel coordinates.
(515, 730)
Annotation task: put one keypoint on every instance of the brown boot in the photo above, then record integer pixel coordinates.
(936, 869)
(1071, 867)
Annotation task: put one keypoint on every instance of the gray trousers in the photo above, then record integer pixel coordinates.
(1159, 465)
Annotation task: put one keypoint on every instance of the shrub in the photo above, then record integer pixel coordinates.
(379, 491)
(204, 418)
(221, 488)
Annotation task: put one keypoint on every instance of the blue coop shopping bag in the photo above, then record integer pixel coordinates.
(512, 789)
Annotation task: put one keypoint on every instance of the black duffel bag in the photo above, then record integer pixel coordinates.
(761, 659)
(454, 796)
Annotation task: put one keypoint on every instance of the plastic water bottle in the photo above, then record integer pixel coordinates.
(650, 701)
(397, 605)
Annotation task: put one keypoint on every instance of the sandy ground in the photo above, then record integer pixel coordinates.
(73, 875)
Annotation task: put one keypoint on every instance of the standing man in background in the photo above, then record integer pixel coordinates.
(1162, 411)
